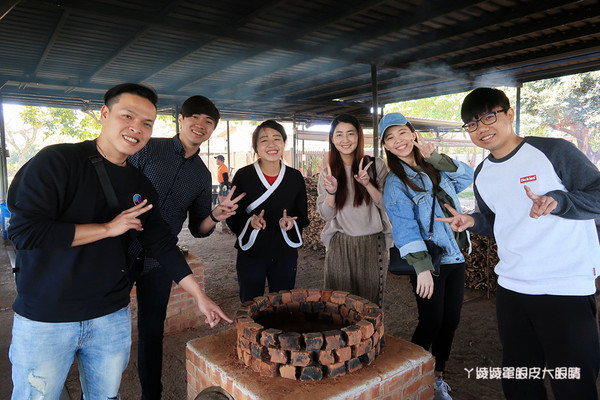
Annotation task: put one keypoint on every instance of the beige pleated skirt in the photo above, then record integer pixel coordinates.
(357, 264)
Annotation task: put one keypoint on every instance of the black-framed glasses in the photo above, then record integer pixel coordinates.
(487, 119)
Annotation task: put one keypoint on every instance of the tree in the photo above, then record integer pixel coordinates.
(568, 104)
(41, 126)
(441, 107)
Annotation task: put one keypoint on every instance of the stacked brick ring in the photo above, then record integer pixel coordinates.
(313, 355)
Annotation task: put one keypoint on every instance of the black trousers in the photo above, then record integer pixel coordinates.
(555, 334)
(153, 288)
(279, 272)
(439, 315)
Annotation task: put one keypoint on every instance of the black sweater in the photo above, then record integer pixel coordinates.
(55, 190)
(290, 196)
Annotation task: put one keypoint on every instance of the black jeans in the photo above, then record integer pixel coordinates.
(153, 289)
(439, 315)
(548, 334)
(279, 272)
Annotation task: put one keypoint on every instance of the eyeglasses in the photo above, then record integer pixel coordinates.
(487, 119)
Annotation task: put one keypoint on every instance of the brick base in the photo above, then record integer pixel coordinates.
(402, 371)
(182, 311)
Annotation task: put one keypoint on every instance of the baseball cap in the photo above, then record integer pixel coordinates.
(220, 157)
(391, 119)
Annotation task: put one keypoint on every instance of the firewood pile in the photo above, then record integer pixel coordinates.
(479, 264)
(311, 235)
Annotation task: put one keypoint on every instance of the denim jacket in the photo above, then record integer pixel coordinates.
(410, 211)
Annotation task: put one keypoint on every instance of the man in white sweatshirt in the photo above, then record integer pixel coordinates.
(538, 198)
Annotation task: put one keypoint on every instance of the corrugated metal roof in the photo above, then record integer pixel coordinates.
(288, 58)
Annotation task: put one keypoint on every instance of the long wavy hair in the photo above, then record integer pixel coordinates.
(337, 165)
(396, 166)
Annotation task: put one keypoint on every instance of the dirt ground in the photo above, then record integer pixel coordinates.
(476, 343)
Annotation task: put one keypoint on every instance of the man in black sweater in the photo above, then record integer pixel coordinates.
(71, 276)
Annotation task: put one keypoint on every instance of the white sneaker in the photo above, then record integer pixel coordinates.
(441, 389)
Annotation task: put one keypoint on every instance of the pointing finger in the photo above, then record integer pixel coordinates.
(451, 209)
(530, 193)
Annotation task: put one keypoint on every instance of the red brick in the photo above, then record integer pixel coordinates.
(334, 370)
(338, 297)
(344, 311)
(298, 295)
(428, 366)
(313, 295)
(362, 348)
(426, 394)
(293, 307)
(366, 329)
(353, 364)
(352, 334)
(287, 371)
(317, 306)
(274, 299)
(270, 337)
(326, 295)
(306, 307)
(368, 357)
(286, 296)
(290, 341)
(259, 352)
(375, 317)
(333, 340)
(313, 341)
(300, 358)
(343, 354)
(410, 390)
(253, 331)
(311, 373)
(261, 302)
(265, 368)
(247, 358)
(332, 308)
(326, 357)
(278, 356)
(352, 301)
(370, 306)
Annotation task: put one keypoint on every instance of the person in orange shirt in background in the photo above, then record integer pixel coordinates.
(223, 177)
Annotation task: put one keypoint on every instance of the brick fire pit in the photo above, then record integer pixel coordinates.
(308, 334)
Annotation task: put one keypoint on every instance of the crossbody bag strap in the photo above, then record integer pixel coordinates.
(107, 187)
(432, 212)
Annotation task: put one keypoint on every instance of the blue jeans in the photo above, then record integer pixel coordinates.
(41, 354)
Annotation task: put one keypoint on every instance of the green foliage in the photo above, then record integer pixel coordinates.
(440, 107)
(569, 105)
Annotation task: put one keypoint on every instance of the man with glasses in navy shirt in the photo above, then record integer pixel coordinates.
(184, 186)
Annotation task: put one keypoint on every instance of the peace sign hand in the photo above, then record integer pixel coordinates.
(363, 176)
(542, 205)
(426, 148)
(458, 222)
(329, 181)
(128, 219)
(228, 206)
(286, 222)
(258, 222)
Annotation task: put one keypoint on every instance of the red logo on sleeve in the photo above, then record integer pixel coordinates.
(529, 178)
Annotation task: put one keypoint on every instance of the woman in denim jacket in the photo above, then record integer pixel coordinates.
(418, 176)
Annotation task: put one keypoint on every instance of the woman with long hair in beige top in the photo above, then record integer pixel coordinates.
(357, 234)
